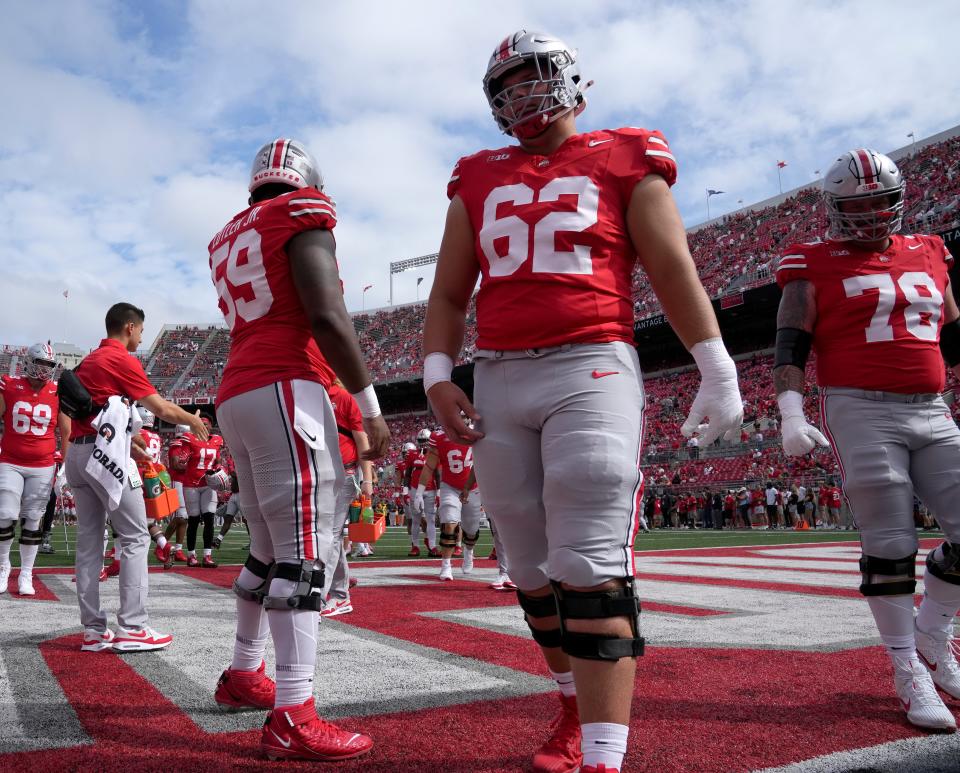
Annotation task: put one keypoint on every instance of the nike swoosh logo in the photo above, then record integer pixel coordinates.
(931, 666)
(905, 704)
(285, 744)
(312, 438)
(594, 143)
(602, 373)
(914, 246)
(137, 634)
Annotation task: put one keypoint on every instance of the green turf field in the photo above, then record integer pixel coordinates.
(395, 543)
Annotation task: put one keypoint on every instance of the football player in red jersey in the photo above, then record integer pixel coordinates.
(178, 455)
(31, 414)
(200, 500)
(427, 515)
(458, 513)
(554, 227)
(275, 270)
(878, 310)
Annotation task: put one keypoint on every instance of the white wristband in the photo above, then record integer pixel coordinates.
(712, 359)
(437, 367)
(791, 404)
(367, 402)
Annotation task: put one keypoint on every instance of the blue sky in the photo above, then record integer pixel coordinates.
(130, 126)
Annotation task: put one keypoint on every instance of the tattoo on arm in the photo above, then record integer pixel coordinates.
(798, 308)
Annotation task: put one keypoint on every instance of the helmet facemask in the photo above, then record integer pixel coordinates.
(40, 365)
(869, 224)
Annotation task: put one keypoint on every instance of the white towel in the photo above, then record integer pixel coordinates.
(110, 463)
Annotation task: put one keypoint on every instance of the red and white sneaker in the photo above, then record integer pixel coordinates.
(344, 607)
(140, 639)
(163, 554)
(209, 563)
(243, 690)
(561, 753)
(503, 582)
(111, 571)
(180, 556)
(414, 551)
(192, 560)
(97, 641)
(446, 573)
(297, 733)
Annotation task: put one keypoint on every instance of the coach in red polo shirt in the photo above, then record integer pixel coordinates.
(108, 371)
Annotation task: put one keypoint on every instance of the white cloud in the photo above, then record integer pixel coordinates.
(129, 133)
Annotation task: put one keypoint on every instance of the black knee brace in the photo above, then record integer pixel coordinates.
(469, 540)
(207, 529)
(262, 571)
(6, 533)
(30, 536)
(307, 595)
(595, 605)
(448, 539)
(944, 563)
(901, 571)
(539, 607)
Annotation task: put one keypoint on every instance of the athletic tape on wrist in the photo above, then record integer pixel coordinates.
(437, 367)
(367, 402)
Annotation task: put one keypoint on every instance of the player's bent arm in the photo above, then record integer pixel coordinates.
(796, 318)
(313, 266)
(64, 425)
(453, 282)
(660, 241)
(950, 332)
(174, 414)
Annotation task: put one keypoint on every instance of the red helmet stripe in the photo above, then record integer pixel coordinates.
(276, 161)
(504, 48)
(866, 163)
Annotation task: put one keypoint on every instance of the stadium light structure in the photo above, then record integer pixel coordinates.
(408, 264)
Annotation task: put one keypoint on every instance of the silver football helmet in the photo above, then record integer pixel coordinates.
(287, 162)
(181, 429)
(41, 363)
(423, 437)
(859, 177)
(146, 416)
(408, 447)
(524, 110)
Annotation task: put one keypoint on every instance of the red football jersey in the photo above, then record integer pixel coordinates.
(29, 422)
(154, 444)
(202, 456)
(456, 460)
(551, 238)
(349, 420)
(416, 460)
(879, 314)
(270, 337)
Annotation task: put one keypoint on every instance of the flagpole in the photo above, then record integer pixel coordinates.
(779, 178)
(708, 206)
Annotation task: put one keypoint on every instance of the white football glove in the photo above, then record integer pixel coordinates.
(799, 437)
(417, 499)
(718, 398)
(60, 481)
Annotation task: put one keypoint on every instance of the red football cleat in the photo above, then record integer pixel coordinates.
(192, 561)
(209, 563)
(180, 556)
(111, 571)
(162, 554)
(458, 552)
(435, 553)
(353, 582)
(414, 551)
(493, 555)
(240, 690)
(561, 753)
(297, 733)
(110, 553)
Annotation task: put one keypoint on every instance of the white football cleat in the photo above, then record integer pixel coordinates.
(25, 584)
(97, 641)
(467, 566)
(446, 572)
(919, 697)
(938, 654)
(4, 577)
(140, 639)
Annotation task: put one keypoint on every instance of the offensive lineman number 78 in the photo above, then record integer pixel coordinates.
(921, 315)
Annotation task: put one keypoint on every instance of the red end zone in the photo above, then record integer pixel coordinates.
(696, 709)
